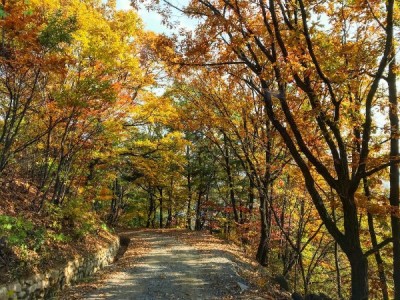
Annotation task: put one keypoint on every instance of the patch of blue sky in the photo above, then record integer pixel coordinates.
(153, 21)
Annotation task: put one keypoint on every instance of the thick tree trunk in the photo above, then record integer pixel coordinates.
(169, 218)
(359, 276)
(351, 246)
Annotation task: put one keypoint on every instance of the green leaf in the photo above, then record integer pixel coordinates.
(28, 12)
(7, 226)
(3, 14)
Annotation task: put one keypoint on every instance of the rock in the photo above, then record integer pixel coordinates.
(41, 286)
(16, 287)
(53, 274)
(69, 270)
(37, 277)
(21, 295)
(28, 281)
(3, 292)
(242, 286)
(41, 294)
(45, 283)
(32, 288)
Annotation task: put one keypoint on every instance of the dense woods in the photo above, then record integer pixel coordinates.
(273, 123)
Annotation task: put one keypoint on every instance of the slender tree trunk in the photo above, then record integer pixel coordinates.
(394, 171)
(154, 216)
(265, 191)
(198, 213)
(3, 31)
(169, 217)
(250, 203)
(374, 241)
(45, 169)
(190, 193)
(161, 207)
(336, 254)
(151, 209)
(189, 204)
(263, 246)
(230, 180)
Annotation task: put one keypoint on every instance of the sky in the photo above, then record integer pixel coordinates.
(152, 20)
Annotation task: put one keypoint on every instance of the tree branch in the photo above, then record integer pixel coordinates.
(378, 247)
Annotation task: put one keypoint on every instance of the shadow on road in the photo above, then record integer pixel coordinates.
(172, 270)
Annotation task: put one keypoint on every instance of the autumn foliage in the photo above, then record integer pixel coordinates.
(272, 123)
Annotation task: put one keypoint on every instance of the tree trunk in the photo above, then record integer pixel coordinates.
(161, 207)
(394, 170)
(153, 220)
(169, 217)
(265, 203)
(230, 180)
(189, 204)
(374, 241)
(198, 224)
(250, 203)
(263, 246)
(359, 276)
(151, 209)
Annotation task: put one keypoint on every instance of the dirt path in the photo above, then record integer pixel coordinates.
(168, 268)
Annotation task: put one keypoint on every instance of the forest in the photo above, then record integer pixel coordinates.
(271, 123)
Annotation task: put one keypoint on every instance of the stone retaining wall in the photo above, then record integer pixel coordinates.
(43, 286)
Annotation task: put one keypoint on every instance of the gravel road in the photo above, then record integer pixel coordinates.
(171, 269)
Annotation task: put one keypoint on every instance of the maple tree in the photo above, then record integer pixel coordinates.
(28, 56)
(70, 77)
(274, 123)
(318, 76)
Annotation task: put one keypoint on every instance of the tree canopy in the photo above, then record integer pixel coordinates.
(273, 123)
